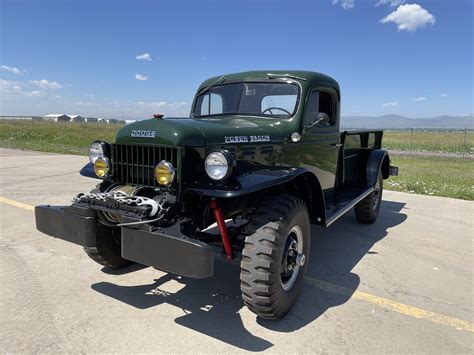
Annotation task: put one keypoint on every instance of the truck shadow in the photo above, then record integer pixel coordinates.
(211, 306)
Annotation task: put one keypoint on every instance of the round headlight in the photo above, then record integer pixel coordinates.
(96, 151)
(218, 165)
(164, 173)
(101, 167)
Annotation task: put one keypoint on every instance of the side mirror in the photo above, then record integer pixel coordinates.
(322, 119)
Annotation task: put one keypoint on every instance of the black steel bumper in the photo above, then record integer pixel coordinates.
(166, 249)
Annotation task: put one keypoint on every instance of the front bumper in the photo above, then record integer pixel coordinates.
(167, 249)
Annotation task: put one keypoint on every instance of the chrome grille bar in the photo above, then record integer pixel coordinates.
(135, 164)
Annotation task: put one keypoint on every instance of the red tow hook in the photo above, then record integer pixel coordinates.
(222, 228)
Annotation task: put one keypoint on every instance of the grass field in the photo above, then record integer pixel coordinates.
(434, 176)
(445, 142)
(64, 138)
(74, 138)
(423, 175)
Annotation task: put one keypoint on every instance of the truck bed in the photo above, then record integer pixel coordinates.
(351, 186)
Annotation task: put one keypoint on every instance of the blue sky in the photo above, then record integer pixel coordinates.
(413, 58)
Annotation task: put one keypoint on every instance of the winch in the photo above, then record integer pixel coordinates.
(123, 199)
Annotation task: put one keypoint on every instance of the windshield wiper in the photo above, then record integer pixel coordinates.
(279, 76)
(218, 81)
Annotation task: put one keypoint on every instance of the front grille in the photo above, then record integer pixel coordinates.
(135, 164)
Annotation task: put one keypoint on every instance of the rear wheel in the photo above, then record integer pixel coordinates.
(367, 210)
(275, 256)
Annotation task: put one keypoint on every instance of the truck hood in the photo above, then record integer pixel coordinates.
(189, 132)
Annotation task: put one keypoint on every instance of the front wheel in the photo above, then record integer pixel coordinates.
(108, 248)
(367, 210)
(275, 256)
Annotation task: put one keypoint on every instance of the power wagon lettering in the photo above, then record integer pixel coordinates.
(246, 139)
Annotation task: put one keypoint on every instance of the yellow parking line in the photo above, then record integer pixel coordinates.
(16, 204)
(358, 295)
(394, 306)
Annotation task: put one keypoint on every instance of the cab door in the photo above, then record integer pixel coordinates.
(320, 141)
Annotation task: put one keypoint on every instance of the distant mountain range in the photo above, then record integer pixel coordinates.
(396, 121)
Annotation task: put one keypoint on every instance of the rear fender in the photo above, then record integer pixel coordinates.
(378, 161)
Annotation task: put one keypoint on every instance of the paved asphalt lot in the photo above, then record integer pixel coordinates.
(404, 284)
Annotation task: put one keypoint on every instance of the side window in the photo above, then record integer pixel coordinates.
(312, 108)
(211, 104)
(326, 105)
(320, 101)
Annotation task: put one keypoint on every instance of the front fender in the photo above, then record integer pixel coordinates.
(247, 183)
(88, 171)
(296, 181)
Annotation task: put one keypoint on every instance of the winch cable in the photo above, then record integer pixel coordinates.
(140, 222)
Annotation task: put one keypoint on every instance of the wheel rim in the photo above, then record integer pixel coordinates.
(377, 194)
(293, 258)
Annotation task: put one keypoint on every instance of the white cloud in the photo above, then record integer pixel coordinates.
(393, 103)
(11, 87)
(174, 108)
(45, 84)
(392, 3)
(86, 103)
(410, 17)
(141, 77)
(13, 70)
(144, 56)
(421, 98)
(444, 95)
(160, 104)
(345, 4)
(36, 93)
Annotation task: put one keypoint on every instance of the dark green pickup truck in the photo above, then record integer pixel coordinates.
(259, 159)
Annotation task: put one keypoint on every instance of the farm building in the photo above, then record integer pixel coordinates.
(76, 118)
(92, 119)
(57, 117)
(103, 120)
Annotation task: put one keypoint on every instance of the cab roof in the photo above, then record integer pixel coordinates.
(305, 78)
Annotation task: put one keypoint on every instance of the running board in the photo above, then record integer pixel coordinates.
(341, 211)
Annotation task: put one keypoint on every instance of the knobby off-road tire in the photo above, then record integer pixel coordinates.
(268, 288)
(108, 250)
(367, 210)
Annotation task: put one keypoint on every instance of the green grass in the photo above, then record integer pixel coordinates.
(430, 176)
(446, 142)
(434, 176)
(64, 138)
(74, 138)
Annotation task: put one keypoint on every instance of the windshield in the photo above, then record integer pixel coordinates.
(256, 99)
